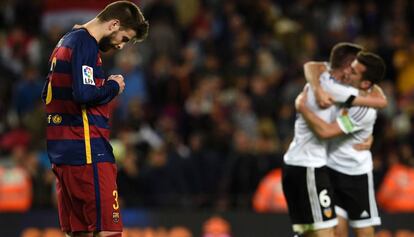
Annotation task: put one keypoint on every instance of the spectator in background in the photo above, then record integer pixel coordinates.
(243, 115)
(269, 195)
(130, 180)
(127, 64)
(241, 173)
(67, 13)
(21, 49)
(396, 193)
(15, 189)
(263, 99)
(179, 231)
(216, 226)
(164, 180)
(404, 63)
(27, 91)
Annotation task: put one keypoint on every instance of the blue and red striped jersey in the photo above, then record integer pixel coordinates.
(76, 95)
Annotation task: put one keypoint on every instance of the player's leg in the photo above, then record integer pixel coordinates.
(328, 232)
(94, 200)
(364, 231)
(357, 202)
(308, 195)
(110, 224)
(99, 234)
(364, 218)
(108, 234)
(82, 234)
(341, 230)
(63, 199)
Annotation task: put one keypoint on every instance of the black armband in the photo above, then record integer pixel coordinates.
(348, 102)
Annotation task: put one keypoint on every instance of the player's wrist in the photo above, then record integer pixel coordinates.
(114, 85)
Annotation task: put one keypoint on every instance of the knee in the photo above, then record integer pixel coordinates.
(108, 234)
(341, 231)
(364, 232)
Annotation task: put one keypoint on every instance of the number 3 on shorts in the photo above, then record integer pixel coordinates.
(116, 204)
(324, 198)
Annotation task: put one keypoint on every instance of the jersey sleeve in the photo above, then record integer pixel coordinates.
(338, 91)
(356, 119)
(85, 91)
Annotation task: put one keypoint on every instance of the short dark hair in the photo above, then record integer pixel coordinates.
(129, 16)
(375, 66)
(341, 52)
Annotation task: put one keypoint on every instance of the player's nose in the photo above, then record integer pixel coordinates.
(120, 46)
(347, 70)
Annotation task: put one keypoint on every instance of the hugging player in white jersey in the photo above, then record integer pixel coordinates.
(306, 183)
(350, 170)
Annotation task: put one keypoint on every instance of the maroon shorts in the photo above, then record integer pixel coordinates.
(87, 197)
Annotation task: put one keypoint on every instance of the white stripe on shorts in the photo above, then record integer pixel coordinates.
(313, 195)
(371, 193)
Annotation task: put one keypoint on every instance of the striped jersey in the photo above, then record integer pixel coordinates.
(76, 95)
(357, 123)
(306, 149)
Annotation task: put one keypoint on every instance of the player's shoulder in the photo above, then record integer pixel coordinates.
(325, 75)
(362, 113)
(78, 36)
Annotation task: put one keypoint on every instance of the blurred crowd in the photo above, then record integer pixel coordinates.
(208, 108)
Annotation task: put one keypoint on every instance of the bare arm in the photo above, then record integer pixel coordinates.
(365, 145)
(313, 71)
(376, 99)
(319, 127)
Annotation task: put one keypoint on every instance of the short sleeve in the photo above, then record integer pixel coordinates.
(357, 118)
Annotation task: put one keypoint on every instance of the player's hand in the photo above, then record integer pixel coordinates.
(301, 100)
(323, 98)
(366, 145)
(120, 80)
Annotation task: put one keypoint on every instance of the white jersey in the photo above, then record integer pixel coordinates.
(306, 149)
(357, 123)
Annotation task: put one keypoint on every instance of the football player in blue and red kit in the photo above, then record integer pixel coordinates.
(76, 95)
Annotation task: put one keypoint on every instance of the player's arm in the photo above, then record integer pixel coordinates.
(376, 99)
(83, 84)
(351, 96)
(353, 121)
(313, 70)
(321, 128)
(335, 93)
(365, 145)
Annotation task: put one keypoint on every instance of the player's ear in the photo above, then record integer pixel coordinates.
(365, 84)
(114, 25)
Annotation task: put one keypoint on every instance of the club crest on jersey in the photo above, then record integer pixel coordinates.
(87, 74)
(57, 119)
(115, 217)
(327, 212)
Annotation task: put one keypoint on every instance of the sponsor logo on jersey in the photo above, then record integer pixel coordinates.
(87, 74)
(56, 119)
